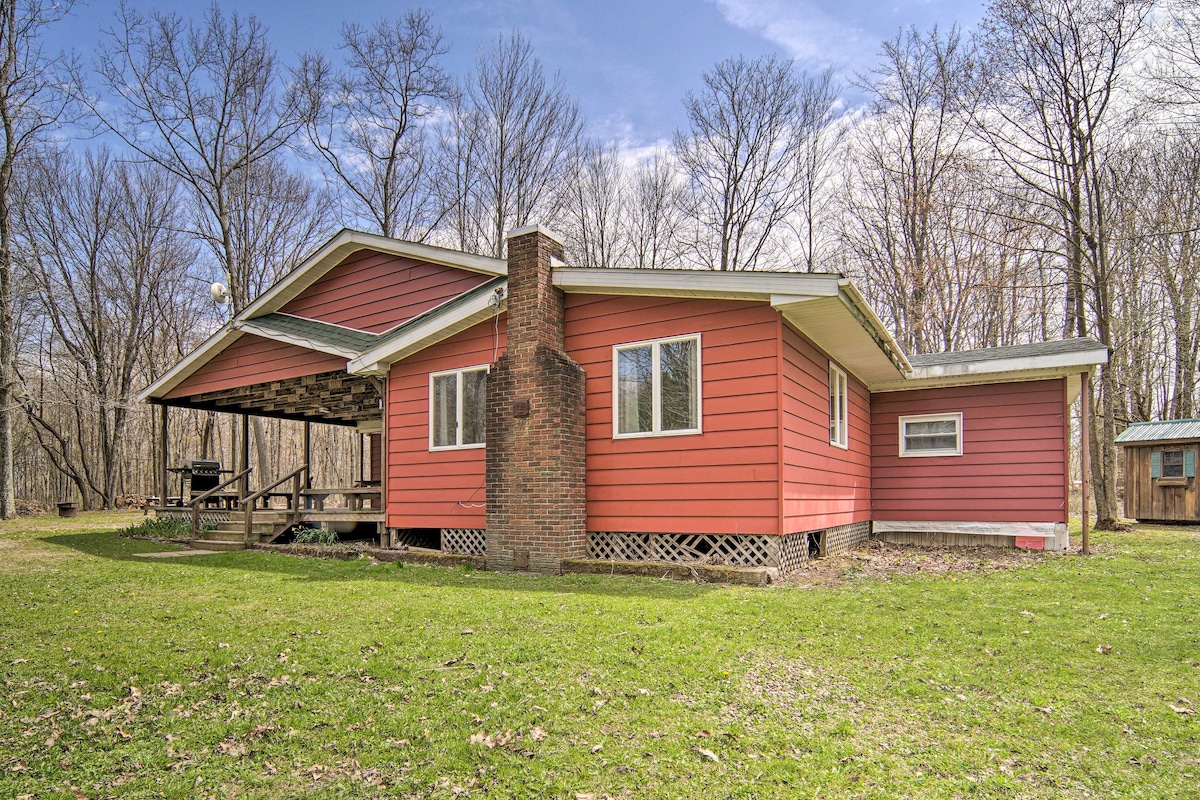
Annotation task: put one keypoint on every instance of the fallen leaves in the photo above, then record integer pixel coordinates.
(1104, 649)
(709, 754)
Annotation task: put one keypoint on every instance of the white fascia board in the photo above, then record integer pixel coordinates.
(347, 242)
(249, 326)
(225, 336)
(872, 319)
(378, 360)
(758, 286)
(999, 370)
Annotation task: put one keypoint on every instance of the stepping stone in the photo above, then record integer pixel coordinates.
(177, 553)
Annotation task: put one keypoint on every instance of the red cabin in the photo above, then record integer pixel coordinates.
(533, 412)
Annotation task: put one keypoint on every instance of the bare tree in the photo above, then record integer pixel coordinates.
(655, 212)
(595, 206)
(31, 106)
(1057, 70)
(741, 153)
(909, 164)
(370, 133)
(506, 147)
(100, 242)
(206, 102)
(822, 140)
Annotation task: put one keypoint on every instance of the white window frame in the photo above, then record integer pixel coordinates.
(839, 407)
(957, 417)
(656, 391)
(458, 408)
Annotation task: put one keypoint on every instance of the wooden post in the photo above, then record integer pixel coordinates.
(308, 454)
(162, 455)
(244, 455)
(1085, 456)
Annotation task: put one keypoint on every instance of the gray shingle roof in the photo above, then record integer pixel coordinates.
(1060, 347)
(314, 330)
(484, 288)
(1164, 430)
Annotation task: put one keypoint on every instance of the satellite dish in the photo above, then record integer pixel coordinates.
(220, 294)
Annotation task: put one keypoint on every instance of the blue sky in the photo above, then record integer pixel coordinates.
(628, 62)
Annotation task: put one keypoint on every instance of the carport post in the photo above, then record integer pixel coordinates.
(308, 454)
(162, 455)
(244, 456)
(1085, 456)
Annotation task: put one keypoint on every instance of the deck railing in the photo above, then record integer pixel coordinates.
(196, 502)
(248, 502)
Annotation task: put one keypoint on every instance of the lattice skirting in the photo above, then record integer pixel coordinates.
(464, 541)
(210, 516)
(835, 541)
(784, 553)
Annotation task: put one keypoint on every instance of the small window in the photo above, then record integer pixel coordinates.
(457, 412)
(1172, 464)
(839, 407)
(656, 387)
(931, 435)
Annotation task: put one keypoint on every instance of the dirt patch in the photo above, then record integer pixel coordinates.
(883, 560)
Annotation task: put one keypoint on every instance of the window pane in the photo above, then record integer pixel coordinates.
(920, 443)
(635, 390)
(1172, 464)
(680, 389)
(445, 410)
(474, 406)
(931, 428)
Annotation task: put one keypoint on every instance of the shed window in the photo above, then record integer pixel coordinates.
(456, 408)
(1173, 464)
(839, 407)
(656, 391)
(931, 435)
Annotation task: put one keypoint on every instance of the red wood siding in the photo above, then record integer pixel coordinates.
(253, 359)
(724, 480)
(373, 292)
(428, 489)
(1011, 470)
(823, 485)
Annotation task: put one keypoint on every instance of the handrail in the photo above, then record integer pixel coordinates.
(196, 501)
(247, 502)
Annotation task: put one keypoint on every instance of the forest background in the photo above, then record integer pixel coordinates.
(1034, 179)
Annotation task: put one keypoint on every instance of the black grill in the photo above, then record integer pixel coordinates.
(203, 474)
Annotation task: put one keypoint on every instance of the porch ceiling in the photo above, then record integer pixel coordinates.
(331, 398)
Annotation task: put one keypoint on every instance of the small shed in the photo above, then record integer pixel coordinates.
(1160, 470)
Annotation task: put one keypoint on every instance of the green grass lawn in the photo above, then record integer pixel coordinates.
(260, 675)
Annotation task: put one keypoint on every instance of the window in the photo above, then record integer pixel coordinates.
(456, 408)
(1174, 466)
(656, 391)
(839, 407)
(931, 435)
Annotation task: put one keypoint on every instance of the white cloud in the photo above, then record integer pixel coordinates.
(804, 30)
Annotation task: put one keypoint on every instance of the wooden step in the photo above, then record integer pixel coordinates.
(217, 544)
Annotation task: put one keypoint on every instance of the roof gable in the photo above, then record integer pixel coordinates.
(348, 242)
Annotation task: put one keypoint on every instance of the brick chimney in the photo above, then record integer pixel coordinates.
(535, 422)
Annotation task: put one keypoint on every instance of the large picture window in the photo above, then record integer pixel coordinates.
(656, 388)
(931, 435)
(839, 407)
(456, 408)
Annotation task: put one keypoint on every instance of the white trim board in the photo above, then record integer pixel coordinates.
(1044, 530)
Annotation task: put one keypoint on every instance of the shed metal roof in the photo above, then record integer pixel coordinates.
(1162, 430)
